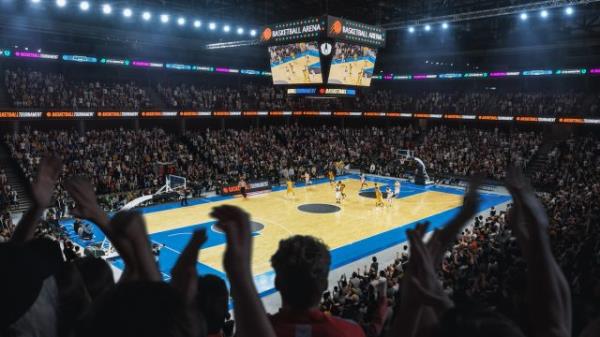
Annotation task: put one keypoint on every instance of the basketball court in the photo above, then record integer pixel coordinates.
(298, 70)
(353, 229)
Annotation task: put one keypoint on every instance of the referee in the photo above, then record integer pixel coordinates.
(243, 186)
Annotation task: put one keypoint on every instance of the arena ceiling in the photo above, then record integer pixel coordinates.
(466, 41)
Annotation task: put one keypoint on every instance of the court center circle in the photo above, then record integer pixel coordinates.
(254, 227)
(319, 208)
(367, 194)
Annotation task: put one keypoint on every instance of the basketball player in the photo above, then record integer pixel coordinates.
(363, 181)
(184, 197)
(290, 188)
(389, 195)
(338, 193)
(397, 188)
(331, 177)
(307, 178)
(243, 186)
(305, 70)
(378, 196)
(342, 188)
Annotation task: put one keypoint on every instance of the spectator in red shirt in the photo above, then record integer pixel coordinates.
(301, 267)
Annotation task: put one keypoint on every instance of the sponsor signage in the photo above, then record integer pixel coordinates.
(254, 186)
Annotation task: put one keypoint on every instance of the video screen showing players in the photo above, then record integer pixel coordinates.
(352, 65)
(297, 63)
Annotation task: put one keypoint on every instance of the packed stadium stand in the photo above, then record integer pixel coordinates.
(54, 91)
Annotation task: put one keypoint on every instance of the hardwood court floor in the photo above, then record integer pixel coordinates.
(357, 219)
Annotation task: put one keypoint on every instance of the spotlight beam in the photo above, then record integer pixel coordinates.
(487, 13)
(232, 44)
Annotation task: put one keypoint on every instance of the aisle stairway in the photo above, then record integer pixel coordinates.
(15, 179)
(156, 100)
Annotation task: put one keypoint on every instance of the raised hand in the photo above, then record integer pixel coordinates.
(548, 291)
(129, 229)
(236, 225)
(45, 181)
(441, 238)
(249, 312)
(184, 274)
(86, 204)
(41, 190)
(424, 278)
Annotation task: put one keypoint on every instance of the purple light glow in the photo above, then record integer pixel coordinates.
(141, 63)
(27, 54)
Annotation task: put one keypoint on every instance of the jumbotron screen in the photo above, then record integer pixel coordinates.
(352, 65)
(297, 63)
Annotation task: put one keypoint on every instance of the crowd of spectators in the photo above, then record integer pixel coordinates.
(118, 161)
(485, 265)
(34, 89)
(513, 273)
(462, 151)
(124, 164)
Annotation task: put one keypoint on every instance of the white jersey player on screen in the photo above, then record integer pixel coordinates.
(307, 179)
(397, 188)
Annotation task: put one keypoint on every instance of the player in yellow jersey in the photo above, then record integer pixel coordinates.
(331, 177)
(378, 197)
(342, 188)
(290, 188)
(305, 71)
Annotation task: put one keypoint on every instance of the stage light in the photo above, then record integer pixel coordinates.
(569, 11)
(146, 16)
(427, 28)
(84, 6)
(445, 25)
(240, 30)
(106, 9)
(36, 1)
(61, 3)
(197, 23)
(127, 12)
(544, 14)
(524, 16)
(212, 26)
(181, 21)
(411, 29)
(253, 32)
(226, 28)
(164, 18)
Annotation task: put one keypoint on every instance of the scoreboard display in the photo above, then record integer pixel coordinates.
(296, 63)
(352, 65)
(322, 50)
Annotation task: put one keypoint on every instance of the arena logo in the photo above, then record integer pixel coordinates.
(312, 28)
(362, 33)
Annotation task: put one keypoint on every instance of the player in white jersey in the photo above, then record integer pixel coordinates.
(307, 178)
(363, 181)
(338, 193)
(397, 188)
(389, 196)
